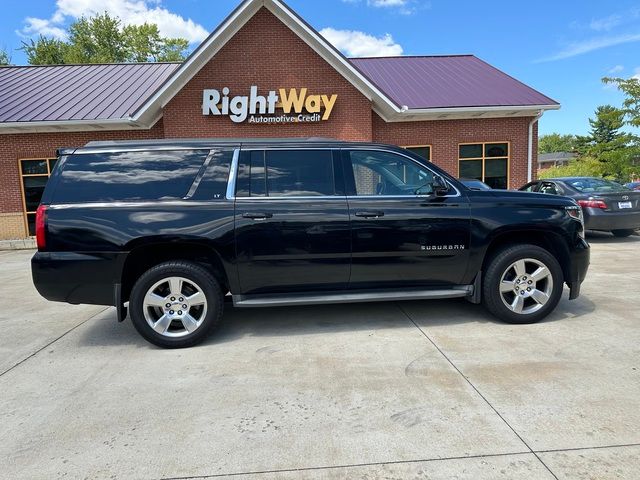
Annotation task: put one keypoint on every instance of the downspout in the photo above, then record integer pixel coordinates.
(530, 146)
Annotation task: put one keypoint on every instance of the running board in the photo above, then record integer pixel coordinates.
(282, 300)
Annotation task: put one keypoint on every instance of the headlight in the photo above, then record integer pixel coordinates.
(575, 212)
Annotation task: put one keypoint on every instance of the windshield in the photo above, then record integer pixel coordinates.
(596, 185)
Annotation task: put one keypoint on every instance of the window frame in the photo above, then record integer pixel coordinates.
(22, 176)
(484, 157)
(430, 160)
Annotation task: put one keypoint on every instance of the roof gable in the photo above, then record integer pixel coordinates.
(230, 26)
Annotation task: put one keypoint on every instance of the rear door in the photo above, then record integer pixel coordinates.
(292, 221)
(401, 238)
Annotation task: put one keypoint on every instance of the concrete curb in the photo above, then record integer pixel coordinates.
(22, 244)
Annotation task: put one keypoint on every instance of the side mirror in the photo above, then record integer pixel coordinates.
(440, 187)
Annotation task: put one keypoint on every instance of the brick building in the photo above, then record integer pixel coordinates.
(264, 72)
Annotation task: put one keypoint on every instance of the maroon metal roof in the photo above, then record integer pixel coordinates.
(78, 92)
(447, 81)
(115, 91)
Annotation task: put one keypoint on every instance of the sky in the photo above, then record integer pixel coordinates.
(561, 48)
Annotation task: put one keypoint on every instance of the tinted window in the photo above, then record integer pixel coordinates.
(33, 188)
(495, 172)
(549, 188)
(531, 187)
(424, 152)
(214, 182)
(34, 167)
(591, 185)
(285, 173)
(299, 173)
(129, 176)
(471, 169)
(388, 174)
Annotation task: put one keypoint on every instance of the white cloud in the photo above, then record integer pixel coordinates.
(360, 44)
(44, 27)
(131, 12)
(616, 69)
(405, 7)
(637, 74)
(589, 45)
(606, 23)
(387, 3)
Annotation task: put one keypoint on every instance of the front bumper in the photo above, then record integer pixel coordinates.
(76, 277)
(597, 219)
(580, 259)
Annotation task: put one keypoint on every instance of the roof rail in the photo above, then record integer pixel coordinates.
(200, 141)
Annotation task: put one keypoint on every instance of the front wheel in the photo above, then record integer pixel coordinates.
(622, 233)
(176, 304)
(522, 284)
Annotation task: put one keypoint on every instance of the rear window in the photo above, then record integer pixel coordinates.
(129, 176)
(596, 185)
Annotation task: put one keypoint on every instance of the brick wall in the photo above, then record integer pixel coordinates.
(266, 53)
(445, 135)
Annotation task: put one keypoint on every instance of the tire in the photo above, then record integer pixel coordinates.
(158, 299)
(515, 264)
(622, 233)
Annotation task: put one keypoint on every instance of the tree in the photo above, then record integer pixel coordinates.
(5, 59)
(103, 39)
(554, 142)
(96, 39)
(45, 51)
(605, 128)
(581, 167)
(144, 42)
(631, 105)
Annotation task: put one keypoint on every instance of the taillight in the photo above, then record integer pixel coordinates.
(592, 204)
(41, 224)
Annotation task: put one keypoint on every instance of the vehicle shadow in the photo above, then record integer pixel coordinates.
(239, 323)
(596, 237)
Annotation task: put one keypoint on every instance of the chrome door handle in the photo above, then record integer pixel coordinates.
(257, 215)
(376, 214)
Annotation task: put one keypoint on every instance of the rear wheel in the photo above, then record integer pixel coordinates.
(522, 284)
(622, 233)
(176, 304)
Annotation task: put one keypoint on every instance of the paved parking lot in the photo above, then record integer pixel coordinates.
(433, 390)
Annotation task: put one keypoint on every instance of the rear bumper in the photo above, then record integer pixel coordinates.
(76, 277)
(596, 219)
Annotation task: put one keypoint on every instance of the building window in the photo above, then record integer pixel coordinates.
(488, 162)
(34, 173)
(423, 151)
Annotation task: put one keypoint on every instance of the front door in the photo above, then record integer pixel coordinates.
(292, 221)
(403, 235)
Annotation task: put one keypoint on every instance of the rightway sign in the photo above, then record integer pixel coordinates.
(296, 105)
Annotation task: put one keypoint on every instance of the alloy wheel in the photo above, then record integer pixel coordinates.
(175, 307)
(526, 286)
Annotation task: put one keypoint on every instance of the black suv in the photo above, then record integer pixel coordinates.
(166, 229)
